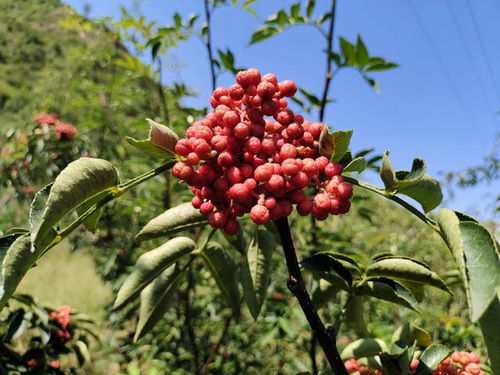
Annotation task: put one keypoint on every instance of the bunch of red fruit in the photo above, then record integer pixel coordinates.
(61, 318)
(250, 163)
(64, 131)
(460, 363)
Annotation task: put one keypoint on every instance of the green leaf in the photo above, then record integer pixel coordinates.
(426, 191)
(357, 165)
(408, 178)
(379, 66)
(489, 328)
(313, 99)
(408, 333)
(361, 52)
(160, 142)
(16, 258)
(156, 299)
(173, 220)
(82, 352)
(341, 140)
(366, 347)
(348, 51)
(263, 33)
(256, 270)
(150, 265)
(15, 323)
(92, 222)
(223, 268)
(79, 181)
(326, 143)
(398, 361)
(431, 358)
(407, 270)
(387, 290)
(415, 183)
(295, 11)
(476, 254)
(355, 317)
(325, 266)
(37, 207)
(372, 83)
(310, 8)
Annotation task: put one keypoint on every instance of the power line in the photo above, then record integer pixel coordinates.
(443, 66)
(483, 51)
(468, 53)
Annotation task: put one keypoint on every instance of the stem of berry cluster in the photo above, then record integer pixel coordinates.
(325, 337)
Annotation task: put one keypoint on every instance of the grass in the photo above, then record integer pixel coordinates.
(65, 277)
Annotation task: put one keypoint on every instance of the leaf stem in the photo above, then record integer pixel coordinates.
(395, 199)
(297, 287)
(145, 176)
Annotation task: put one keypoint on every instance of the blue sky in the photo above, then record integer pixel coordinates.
(439, 105)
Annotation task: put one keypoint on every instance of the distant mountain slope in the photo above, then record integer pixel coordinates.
(52, 59)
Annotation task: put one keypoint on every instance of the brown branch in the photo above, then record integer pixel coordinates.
(296, 285)
(329, 50)
(208, 44)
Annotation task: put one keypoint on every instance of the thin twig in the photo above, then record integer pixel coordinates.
(329, 50)
(216, 347)
(189, 323)
(296, 285)
(208, 44)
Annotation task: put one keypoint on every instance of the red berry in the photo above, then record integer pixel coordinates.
(259, 214)
(288, 88)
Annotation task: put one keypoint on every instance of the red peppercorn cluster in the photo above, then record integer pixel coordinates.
(460, 363)
(63, 131)
(252, 154)
(61, 318)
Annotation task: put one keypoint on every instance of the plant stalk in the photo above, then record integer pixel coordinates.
(329, 50)
(296, 285)
(208, 44)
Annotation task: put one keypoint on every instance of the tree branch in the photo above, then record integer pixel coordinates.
(329, 50)
(296, 285)
(208, 44)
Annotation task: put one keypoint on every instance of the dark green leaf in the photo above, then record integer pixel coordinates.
(92, 222)
(348, 51)
(323, 264)
(150, 265)
(224, 269)
(361, 52)
(431, 358)
(489, 328)
(263, 33)
(377, 67)
(310, 8)
(387, 290)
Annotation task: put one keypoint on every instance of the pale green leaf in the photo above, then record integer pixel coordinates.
(156, 299)
(366, 347)
(79, 181)
(150, 265)
(341, 140)
(175, 219)
(407, 270)
(256, 270)
(356, 165)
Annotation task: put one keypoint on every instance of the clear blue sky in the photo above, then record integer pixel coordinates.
(439, 105)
